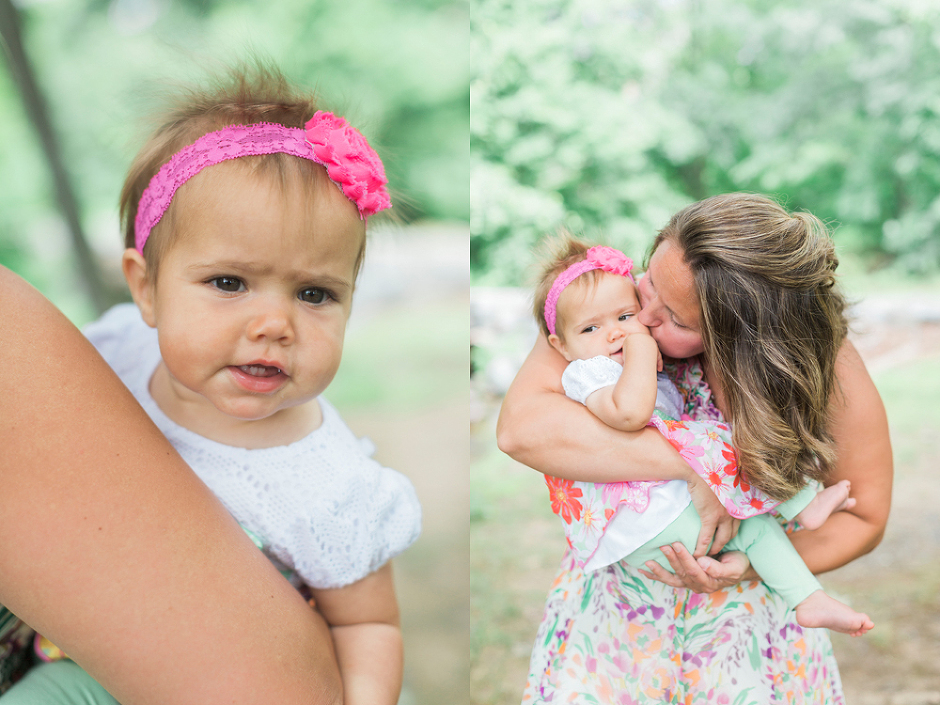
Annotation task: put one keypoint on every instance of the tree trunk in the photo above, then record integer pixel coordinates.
(39, 117)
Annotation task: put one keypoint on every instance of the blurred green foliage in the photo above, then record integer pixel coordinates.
(606, 116)
(399, 71)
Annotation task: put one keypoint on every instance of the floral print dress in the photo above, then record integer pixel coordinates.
(614, 636)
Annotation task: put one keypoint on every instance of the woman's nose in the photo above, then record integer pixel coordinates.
(648, 315)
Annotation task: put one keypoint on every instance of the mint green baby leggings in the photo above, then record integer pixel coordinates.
(760, 537)
(57, 683)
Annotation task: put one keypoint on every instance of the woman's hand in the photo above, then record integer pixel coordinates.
(699, 575)
(718, 527)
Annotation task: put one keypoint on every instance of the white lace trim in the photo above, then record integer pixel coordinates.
(321, 506)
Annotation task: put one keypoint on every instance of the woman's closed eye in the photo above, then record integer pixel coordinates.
(229, 285)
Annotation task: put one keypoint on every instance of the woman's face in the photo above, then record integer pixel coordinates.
(670, 304)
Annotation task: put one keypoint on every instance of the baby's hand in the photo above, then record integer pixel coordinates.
(645, 333)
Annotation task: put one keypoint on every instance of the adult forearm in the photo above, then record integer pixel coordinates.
(540, 427)
(843, 538)
(115, 550)
(560, 437)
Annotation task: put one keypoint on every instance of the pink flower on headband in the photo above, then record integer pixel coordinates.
(328, 140)
(610, 260)
(349, 160)
(604, 258)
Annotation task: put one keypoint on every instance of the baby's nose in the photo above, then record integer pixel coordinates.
(271, 321)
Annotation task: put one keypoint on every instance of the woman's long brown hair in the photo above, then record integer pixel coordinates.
(772, 323)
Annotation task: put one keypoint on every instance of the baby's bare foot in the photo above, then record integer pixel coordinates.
(831, 499)
(821, 610)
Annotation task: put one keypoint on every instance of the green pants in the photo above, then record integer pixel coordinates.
(760, 537)
(57, 683)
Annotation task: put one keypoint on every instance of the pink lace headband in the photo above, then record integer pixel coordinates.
(326, 139)
(605, 258)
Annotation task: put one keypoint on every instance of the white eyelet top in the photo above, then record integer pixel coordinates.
(582, 378)
(321, 507)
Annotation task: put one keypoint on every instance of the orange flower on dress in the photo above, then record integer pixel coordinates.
(564, 495)
(732, 467)
(715, 479)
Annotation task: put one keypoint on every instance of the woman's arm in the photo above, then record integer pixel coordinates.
(540, 427)
(113, 548)
(364, 621)
(860, 428)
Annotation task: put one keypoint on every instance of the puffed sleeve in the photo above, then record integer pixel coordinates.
(584, 377)
(357, 517)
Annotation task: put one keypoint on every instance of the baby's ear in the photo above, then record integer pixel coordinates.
(559, 345)
(138, 281)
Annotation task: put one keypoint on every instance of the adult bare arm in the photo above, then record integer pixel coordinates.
(113, 548)
(860, 428)
(540, 427)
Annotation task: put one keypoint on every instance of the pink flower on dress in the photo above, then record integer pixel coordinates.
(689, 451)
(613, 491)
(563, 494)
(610, 260)
(636, 494)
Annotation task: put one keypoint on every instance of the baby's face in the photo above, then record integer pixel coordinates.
(252, 298)
(597, 319)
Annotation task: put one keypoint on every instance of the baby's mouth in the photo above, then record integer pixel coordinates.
(260, 370)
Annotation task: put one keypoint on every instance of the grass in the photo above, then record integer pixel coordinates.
(516, 543)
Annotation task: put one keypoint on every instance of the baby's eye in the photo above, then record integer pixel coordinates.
(589, 329)
(314, 295)
(625, 316)
(228, 284)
